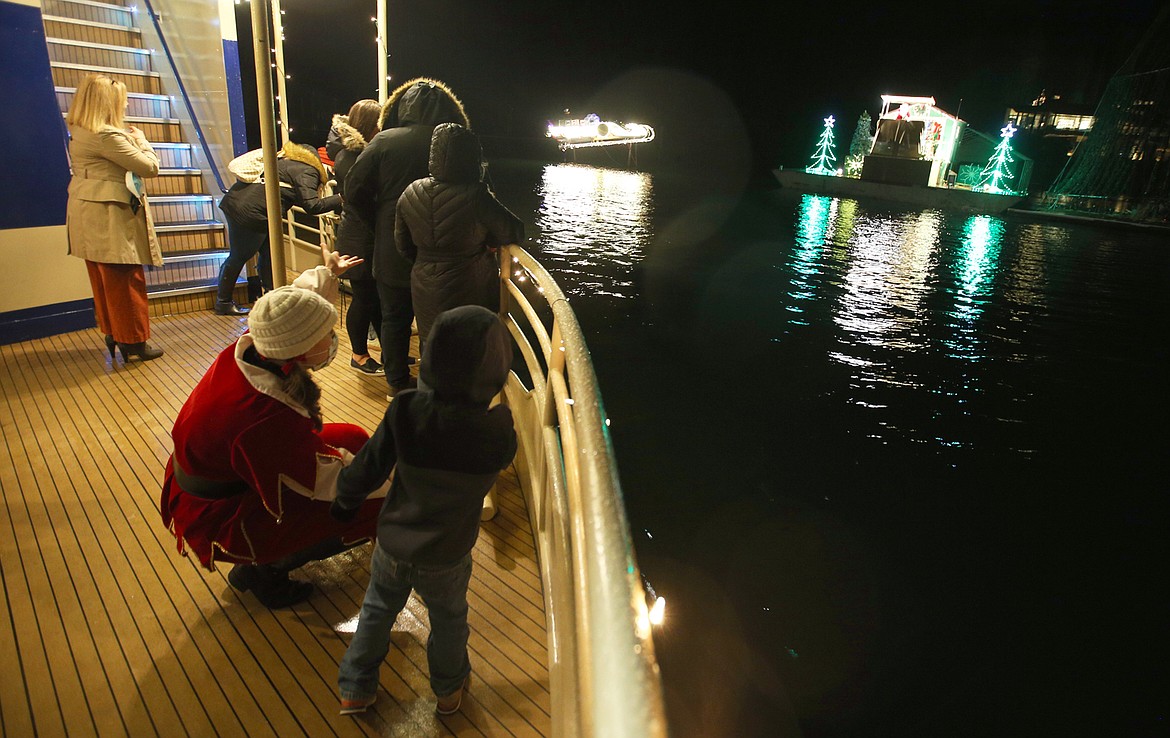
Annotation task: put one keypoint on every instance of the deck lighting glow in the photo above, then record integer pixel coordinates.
(349, 626)
(658, 611)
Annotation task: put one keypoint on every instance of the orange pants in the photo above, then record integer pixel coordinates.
(119, 301)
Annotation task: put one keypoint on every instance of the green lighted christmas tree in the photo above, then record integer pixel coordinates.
(859, 146)
(823, 157)
(996, 173)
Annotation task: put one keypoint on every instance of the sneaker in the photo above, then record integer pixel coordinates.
(449, 704)
(357, 706)
(369, 366)
(372, 337)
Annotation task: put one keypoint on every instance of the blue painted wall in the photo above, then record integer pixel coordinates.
(231, 63)
(34, 180)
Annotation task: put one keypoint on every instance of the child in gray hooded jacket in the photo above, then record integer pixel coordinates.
(446, 447)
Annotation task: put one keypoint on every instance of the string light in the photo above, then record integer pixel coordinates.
(993, 176)
(824, 153)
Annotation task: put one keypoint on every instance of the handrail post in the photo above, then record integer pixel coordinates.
(260, 47)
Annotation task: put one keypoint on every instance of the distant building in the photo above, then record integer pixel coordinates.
(1051, 117)
(1122, 168)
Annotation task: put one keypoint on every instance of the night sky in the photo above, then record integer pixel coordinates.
(735, 80)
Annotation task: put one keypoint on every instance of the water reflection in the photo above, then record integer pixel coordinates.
(885, 285)
(974, 270)
(594, 224)
(814, 223)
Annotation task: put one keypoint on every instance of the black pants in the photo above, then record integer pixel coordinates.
(365, 310)
(397, 315)
(243, 244)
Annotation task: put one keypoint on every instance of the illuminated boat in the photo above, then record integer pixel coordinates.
(592, 131)
(919, 155)
(109, 631)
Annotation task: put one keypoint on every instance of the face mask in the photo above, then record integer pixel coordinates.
(332, 352)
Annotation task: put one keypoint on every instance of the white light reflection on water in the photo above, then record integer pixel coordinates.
(884, 288)
(598, 222)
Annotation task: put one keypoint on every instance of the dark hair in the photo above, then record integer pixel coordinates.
(363, 116)
(297, 383)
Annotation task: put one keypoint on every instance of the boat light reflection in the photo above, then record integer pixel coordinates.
(885, 286)
(974, 273)
(594, 224)
(815, 226)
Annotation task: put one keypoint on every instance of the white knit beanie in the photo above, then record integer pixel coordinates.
(288, 321)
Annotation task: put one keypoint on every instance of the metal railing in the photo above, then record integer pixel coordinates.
(603, 676)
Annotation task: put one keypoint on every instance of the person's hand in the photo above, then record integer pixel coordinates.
(342, 514)
(339, 264)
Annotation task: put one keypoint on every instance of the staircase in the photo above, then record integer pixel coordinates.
(84, 37)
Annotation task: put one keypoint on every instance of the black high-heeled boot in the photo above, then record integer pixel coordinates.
(111, 344)
(144, 351)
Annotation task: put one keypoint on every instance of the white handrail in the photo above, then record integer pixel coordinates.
(603, 673)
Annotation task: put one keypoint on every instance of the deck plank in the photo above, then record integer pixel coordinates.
(110, 632)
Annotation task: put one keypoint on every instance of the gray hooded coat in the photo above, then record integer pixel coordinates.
(448, 225)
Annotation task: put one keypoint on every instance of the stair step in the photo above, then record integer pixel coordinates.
(178, 209)
(176, 182)
(70, 74)
(76, 29)
(88, 10)
(191, 299)
(185, 270)
(165, 130)
(105, 55)
(184, 241)
(174, 155)
(198, 225)
(140, 104)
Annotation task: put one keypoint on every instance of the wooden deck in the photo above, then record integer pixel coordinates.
(109, 631)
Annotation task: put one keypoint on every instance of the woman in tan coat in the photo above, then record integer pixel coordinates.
(107, 220)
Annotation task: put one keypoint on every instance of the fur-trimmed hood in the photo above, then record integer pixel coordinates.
(305, 155)
(422, 100)
(350, 137)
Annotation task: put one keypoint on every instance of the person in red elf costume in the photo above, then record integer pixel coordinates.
(254, 468)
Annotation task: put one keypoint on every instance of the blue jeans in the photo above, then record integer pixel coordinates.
(443, 590)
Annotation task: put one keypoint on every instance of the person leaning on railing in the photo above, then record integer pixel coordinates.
(302, 183)
(107, 219)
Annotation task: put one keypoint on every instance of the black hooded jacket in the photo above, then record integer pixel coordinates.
(392, 160)
(301, 181)
(354, 235)
(445, 443)
(447, 224)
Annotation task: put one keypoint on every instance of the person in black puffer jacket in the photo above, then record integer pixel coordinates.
(349, 136)
(302, 182)
(450, 226)
(393, 159)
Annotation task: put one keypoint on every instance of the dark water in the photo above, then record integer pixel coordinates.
(896, 472)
